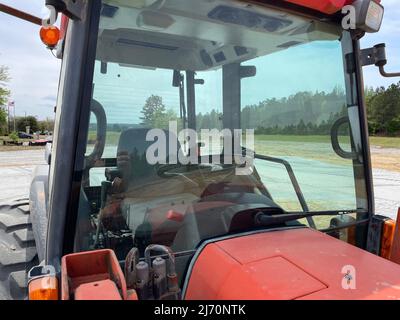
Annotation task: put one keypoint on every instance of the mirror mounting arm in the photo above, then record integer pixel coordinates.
(377, 56)
(388, 74)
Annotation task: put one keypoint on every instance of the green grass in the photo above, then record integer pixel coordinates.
(6, 138)
(316, 147)
(112, 137)
(385, 142)
(4, 148)
(307, 147)
(313, 147)
(292, 138)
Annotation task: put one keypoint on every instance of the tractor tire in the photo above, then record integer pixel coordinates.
(17, 249)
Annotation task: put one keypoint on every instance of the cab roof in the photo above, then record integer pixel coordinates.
(200, 34)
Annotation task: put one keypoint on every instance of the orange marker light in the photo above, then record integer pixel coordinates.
(395, 251)
(43, 288)
(387, 238)
(50, 36)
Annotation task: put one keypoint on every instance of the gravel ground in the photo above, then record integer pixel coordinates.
(387, 192)
(16, 169)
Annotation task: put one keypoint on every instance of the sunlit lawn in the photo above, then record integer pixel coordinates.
(385, 142)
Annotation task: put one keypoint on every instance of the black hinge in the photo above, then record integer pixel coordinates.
(373, 56)
(377, 56)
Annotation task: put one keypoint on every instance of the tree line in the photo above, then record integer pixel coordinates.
(7, 123)
(21, 124)
(383, 107)
(304, 113)
(4, 94)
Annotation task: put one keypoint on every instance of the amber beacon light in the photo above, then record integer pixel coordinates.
(50, 36)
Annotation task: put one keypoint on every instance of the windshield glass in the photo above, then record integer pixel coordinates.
(166, 75)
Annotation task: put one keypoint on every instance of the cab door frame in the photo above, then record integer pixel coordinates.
(70, 132)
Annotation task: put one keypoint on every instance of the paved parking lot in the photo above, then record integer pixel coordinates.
(16, 169)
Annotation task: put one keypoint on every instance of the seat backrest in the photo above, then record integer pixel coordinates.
(133, 142)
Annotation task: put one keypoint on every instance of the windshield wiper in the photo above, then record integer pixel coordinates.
(179, 82)
(294, 182)
(264, 219)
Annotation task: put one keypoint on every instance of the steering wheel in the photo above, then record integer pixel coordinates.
(101, 120)
(170, 170)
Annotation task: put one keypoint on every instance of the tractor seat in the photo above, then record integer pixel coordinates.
(147, 197)
(131, 153)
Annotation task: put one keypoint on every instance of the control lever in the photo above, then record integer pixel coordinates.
(131, 260)
(155, 279)
(173, 290)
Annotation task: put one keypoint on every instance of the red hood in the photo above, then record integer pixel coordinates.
(290, 264)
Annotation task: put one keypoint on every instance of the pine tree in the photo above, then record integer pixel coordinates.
(152, 110)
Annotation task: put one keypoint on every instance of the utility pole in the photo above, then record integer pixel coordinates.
(14, 116)
(8, 119)
(11, 103)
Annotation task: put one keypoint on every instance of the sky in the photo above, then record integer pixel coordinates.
(35, 71)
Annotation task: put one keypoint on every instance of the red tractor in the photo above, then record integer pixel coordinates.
(139, 200)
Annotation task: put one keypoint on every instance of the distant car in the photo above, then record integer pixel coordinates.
(23, 135)
(41, 142)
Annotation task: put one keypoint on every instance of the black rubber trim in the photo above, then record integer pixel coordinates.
(74, 91)
(364, 130)
(349, 225)
(362, 231)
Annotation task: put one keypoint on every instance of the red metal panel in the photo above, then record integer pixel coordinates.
(100, 290)
(256, 280)
(63, 26)
(87, 268)
(310, 267)
(325, 6)
(264, 279)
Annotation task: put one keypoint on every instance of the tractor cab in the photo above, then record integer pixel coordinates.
(182, 123)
